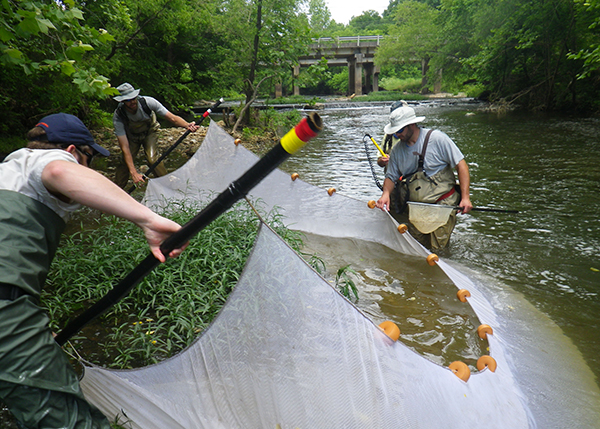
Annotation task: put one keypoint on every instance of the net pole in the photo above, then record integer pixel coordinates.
(308, 128)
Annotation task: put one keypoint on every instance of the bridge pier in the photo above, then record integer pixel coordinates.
(355, 70)
(356, 52)
(359, 69)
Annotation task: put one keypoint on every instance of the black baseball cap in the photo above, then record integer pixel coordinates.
(66, 128)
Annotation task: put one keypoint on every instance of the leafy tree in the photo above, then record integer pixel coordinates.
(369, 23)
(47, 56)
(319, 18)
(588, 17)
(524, 46)
(413, 36)
(169, 48)
(265, 38)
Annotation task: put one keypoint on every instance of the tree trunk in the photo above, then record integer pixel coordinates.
(250, 83)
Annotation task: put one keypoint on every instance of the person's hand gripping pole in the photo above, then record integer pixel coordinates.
(307, 129)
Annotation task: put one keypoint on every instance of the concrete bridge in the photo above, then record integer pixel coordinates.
(356, 52)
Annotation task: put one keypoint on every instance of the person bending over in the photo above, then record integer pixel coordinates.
(136, 126)
(40, 186)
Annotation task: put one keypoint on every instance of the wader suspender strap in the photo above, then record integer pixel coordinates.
(422, 154)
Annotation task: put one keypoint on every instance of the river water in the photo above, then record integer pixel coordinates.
(545, 166)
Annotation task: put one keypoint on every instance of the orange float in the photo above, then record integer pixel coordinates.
(484, 330)
(432, 259)
(330, 191)
(488, 362)
(295, 176)
(460, 369)
(402, 228)
(237, 141)
(371, 204)
(390, 329)
(463, 294)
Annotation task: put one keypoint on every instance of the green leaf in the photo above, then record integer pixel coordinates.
(30, 25)
(66, 67)
(5, 35)
(44, 25)
(13, 53)
(77, 13)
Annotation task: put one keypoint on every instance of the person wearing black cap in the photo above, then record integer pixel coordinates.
(422, 163)
(136, 126)
(40, 186)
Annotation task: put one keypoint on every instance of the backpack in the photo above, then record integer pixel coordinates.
(123, 115)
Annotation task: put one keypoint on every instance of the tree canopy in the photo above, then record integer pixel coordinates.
(68, 55)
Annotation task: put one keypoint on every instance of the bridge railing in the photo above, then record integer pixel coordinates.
(336, 41)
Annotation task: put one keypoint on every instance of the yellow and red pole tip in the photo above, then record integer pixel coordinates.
(298, 136)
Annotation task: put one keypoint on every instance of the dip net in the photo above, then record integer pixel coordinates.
(288, 351)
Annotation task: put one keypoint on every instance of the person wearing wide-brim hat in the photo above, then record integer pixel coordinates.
(389, 139)
(136, 126)
(430, 181)
(41, 185)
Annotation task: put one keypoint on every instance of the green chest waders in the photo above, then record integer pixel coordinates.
(37, 382)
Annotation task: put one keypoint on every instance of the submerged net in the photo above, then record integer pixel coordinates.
(288, 351)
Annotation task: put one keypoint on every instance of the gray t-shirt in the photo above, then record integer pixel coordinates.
(441, 152)
(139, 115)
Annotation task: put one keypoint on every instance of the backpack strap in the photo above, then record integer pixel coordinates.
(387, 143)
(123, 115)
(144, 105)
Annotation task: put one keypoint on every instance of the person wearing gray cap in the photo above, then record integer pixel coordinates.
(137, 127)
(420, 169)
(40, 186)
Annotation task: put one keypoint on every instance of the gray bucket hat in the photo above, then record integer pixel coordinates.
(127, 92)
(400, 118)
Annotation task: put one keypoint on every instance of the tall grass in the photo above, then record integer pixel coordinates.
(172, 305)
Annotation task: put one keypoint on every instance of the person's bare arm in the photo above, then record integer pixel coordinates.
(73, 182)
(464, 180)
(384, 202)
(136, 176)
(180, 122)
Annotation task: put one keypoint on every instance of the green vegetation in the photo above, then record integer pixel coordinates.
(69, 55)
(389, 96)
(344, 282)
(168, 309)
(295, 99)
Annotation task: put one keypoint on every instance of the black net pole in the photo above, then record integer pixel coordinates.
(174, 145)
(308, 128)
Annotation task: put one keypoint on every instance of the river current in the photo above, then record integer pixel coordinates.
(545, 166)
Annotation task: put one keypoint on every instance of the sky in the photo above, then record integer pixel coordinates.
(343, 10)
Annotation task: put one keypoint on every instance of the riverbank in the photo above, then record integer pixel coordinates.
(166, 138)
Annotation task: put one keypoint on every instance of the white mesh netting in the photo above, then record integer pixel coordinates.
(428, 217)
(288, 351)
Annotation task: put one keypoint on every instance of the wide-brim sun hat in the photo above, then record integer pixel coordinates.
(66, 128)
(400, 118)
(126, 92)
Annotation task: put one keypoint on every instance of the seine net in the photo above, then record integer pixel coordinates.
(288, 351)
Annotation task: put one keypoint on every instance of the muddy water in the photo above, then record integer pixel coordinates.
(545, 166)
